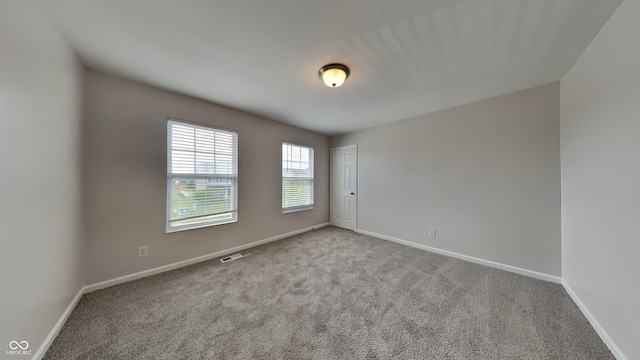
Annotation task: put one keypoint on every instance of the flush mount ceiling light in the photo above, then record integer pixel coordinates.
(333, 75)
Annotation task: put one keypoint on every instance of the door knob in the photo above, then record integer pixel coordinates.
(353, 193)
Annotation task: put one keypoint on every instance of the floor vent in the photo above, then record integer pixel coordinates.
(232, 257)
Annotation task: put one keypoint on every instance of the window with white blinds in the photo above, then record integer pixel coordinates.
(202, 180)
(297, 177)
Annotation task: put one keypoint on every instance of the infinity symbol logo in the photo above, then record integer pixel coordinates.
(23, 345)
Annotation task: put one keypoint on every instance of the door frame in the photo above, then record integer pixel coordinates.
(355, 157)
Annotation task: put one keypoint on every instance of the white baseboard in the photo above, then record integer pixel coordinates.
(56, 329)
(122, 279)
(615, 350)
(534, 274)
(177, 265)
(493, 264)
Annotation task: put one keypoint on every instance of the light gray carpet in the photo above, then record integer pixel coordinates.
(330, 294)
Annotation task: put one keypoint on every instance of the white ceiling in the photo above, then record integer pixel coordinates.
(407, 57)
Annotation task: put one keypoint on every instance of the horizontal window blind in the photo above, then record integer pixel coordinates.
(202, 166)
(297, 177)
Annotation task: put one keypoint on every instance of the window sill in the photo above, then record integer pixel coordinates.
(298, 209)
(199, 226)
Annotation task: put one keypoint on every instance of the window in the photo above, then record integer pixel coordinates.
(202, 180)
(297, 178)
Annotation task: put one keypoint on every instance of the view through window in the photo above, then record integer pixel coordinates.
(297, 177)
(201, 176)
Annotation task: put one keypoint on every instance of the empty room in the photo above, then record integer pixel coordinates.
(366, 179)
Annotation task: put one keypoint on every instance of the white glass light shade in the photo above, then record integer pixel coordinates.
(334, 75)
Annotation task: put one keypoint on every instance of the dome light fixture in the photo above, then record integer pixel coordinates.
(333, 75)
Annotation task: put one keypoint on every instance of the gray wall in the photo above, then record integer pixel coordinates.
(485, 175)
(600, 132)
(40, 109)
(125, 178)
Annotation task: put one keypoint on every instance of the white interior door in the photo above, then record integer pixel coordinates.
(343, 186)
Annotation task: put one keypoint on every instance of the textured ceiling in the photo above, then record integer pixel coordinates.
(406, 57)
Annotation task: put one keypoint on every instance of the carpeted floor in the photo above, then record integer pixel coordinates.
(330, 294)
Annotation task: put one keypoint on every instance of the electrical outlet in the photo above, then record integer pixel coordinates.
(317, 215)
(432, 232)
(143, 251)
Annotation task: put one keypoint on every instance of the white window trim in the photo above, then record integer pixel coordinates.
(312, 178)
(170, 176)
